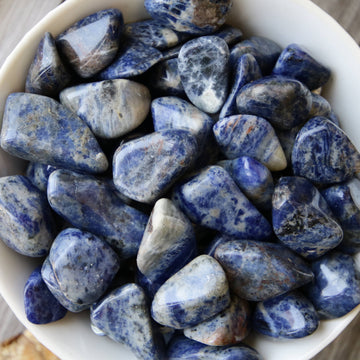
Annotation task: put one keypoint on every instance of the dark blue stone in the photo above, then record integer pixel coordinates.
(287, 140)
(39, 174)
(320, 106)
(215, 242)
(171, 53)
(230, 34)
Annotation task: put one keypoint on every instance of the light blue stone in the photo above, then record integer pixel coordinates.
(39, 174)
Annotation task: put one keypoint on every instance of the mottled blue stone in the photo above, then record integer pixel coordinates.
(91, 44)
(76, 262)
(41, 307)
(295, 62)
(47, 74)
(215, 242)
(188, 297)
(123, 315)
(287, 140)
(320, 106)
(26, 222)
(38, 128)
(230, 34)
(288, 316)
(301, 218)
(145, 168)
(282, 101)
(203, 68)
(323, 153)
(335, 290)
(92, 205)
(212, 199)
(258, 271)
(39, 174)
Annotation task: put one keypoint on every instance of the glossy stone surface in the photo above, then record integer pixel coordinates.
(39, 174)
(91, 44)
(323, 153)
(38, 128)
(282, 101)
(301, 218)
(203, 68)
(47, 74)
(249, 135)
(188, 297)
(110, 108)
(41, 307)
(258, 271)
(145, 168)
(288, 316)
(320, 106)
(123, 315)
(92, 205)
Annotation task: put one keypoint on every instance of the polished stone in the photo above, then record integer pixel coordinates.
(39, 174)
(320, 106)
(230, 34)
(287, 140)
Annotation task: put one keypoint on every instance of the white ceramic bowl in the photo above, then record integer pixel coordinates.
(285, 21)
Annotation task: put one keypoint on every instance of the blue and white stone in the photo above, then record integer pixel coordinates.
(258, 271)
(123, 315)
(203, 68)
(39, 129)
(111, 108)
(249, 135)
(287, 316)
(323, 153)
(39, 174)
(212, 199)
(284, 102)
(287, 140)
(195, 293)
(145, 168)
(91, 44)
(92, 205)
(41, 307)
(230, 34)
(26, 222)
(320, 106)
(302, 220)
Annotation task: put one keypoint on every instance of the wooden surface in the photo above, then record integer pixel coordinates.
(18, 16)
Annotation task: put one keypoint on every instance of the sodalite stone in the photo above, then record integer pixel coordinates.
(258, 271)
(287, 140)
(145, 168)
(110, 108)
(212, 199)
(320, 106)
(335, 290)
(282, 101)
(249, 135)
(295, 62)
(92, 205)
(123, 315)
(26, 222)
(41, 307)
(38, 128)
(215, 242)
(192, 17)
(301, 218)
(167, 245)
(188, 297)
(76, 262)
(288, 316)
(47, 74)
(203, 68)
(39, 174)
(230, 34)
(91, 44)
(323, 153)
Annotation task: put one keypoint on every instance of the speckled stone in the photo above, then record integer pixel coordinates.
(91, 44)
(258, 271)
(288, 316)
(26, 222)
(123, 315)
(203, 68)
(230, 34)
(47, 74)
(188, 297)
(38, 128)
(212, 199)
(249, 135)
(320, 106)
(145, 168)
(282, 101)
(39, 174)
(110, 108)
(41, 307)
(301, 218)
(323, 153)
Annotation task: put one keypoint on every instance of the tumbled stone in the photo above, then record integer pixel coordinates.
(258, 271)
(287, 140)
(188, 297)
(110, 108)
(203, 68)
(230, 34)
(39, 129)
(39, 174)
(215, 242)
(320, 106)
(91, 44)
